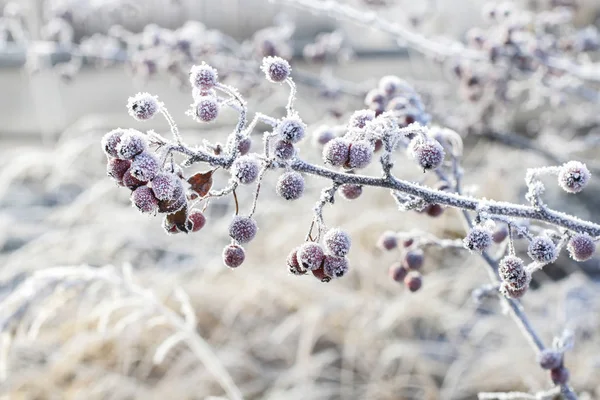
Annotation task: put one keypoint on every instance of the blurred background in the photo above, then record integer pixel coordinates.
(74, 325)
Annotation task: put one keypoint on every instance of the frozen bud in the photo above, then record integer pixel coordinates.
(242, 229)
(293, 264)
(206, 109)
(375, 97)
(388, 240)
(512, 272)
(132, 143)
(336, 152)
(478, 239)
(203, 77)
(244, 146)
(335, 266)
(245, 169)
(413, 259)
(391, 85)
(573, 176)
(360, 118)
(144, 200)
(429, 154)
(398, 272)
(290, 185)
(284, 150)
(164, 185)
(233, 255)
(581, 247)
(143, 106)
(337, 242)
(310, 256)
(500, 233)
(116, 168)
(542, 249)
(350, 191)
(276, 69)
(197, 219)
(550, 359)
(322, 135)
(131, 181)
(560, 375)
(291, 129)
(111, 140)
(413, 281)
(360, 154)
(320, 274)
(145, 166)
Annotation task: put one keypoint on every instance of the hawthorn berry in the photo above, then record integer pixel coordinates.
(242, 229)
(500, 233)
(198, 220)
(284, 150)
(434, 210)
(322, 135)
(111, 140)
(360, 118)
(542, 249)
(581, 247)
(233, 255)
(320, 274)
(164, 185)
(143, 106)
(337, 242)
(245, 169)
(276, 69)
(512, 272)
(573, 176)
(244, 146)
(398, 272)
(478, 239)
(429, 153)
(391, 85)
(550, 359)
(116, 168)
(310, 256)
(206, 109)
(360, 154)
(336, 152)
(413, 259)
(560, 375)
(290, 185)
(293, 264)
(131, 181)
(131, 144)
(143, 198)
(413, 281)
(291, 129)
(145, 166)
(350, 191)
(335, 266)
(388, 240)
(203, 77)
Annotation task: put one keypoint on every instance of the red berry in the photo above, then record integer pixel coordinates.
(413, 281)
(350, 191)
(131, 181)
(434, 210)
(310, 256)
(413, 259)
(143, 198)
(320, 274)
(198, 220)
(233, 255)
(116, 168)
(560, 375)
(388, 240)
(242, 229)
(398, 272)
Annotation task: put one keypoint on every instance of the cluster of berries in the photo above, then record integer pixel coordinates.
(327, 261)
(395, 95)
(407, 270)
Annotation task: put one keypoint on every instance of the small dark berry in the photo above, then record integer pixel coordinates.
(242, 229)
(284, 150)
(550, 359)
(573, 177)
(398, 272)
(337, 242)
(350, 191)
(310, 256)
(413, 259)
(542, 249)
(233, 255)
(116, 168)
(335, 266)
(290, 185)
(413, 281)
(198, 220)
(388, 240)
(143, 198)
(560, 375)
(581, 247)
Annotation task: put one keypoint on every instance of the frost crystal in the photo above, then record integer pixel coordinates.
(542, 249)
(337, 242)
(334, 266)
(290, 185)
(336, 152)
(291, 129)
(143, 106)
(245, 169)
(242, 229)
(310, 256)
(573, 176)
(145, 166)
